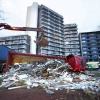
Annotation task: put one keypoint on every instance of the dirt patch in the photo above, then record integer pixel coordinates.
(40, 94)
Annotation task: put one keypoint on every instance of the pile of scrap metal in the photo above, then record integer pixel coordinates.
(50, 74)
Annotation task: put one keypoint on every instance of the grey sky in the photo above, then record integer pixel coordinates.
(85, 13)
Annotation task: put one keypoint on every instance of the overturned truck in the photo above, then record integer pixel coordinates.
(74, 62)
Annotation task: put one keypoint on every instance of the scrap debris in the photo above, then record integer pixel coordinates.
(50, 75)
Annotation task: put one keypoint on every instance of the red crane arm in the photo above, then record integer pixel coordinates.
(6, 26)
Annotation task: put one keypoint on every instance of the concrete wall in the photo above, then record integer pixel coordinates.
(32, 21)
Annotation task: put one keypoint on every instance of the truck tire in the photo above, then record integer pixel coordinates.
(2, 67)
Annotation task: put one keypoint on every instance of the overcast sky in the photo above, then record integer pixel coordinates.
(85, 13)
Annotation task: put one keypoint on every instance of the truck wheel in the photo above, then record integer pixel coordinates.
(2, 67)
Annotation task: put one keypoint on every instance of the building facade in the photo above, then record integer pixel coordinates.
(90, 45)
(71, 40)
(52, 23)
(20, 43)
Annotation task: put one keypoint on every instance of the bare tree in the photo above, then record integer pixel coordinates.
(98, 28)
(1, 11)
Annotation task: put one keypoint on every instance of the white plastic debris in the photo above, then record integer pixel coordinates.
(65, 75)
(35, 85)
(29, 84)
(49, 91)
(17, 87)
(22, 77)
(59, 78)
(7, 84)
(68, 79)
(83, 77)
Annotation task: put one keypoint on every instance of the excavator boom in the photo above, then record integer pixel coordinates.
(40, 40)
(6, 26)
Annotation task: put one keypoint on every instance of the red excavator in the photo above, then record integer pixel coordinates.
(77, 63)
(41, 38)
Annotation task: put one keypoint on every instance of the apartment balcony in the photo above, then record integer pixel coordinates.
(9, 43)
(15, 42)
(8, 38)
(74, 38)
(73, 43)
(67, 51)
(23, 37)
(94, 56)
(70, 29)
(2, 39)
(44, 12)
(45, 27)
(73, 50)
(14, 47)
(44, 48)
(66, 54)
(22, 50)
(22, 46)
(69, 35)
(2, 43)
(51, 36)
(91, 34)
(84, 38)
(94, 49)
(16, 50)
(50, 40)
(9, 46)
(58, 21)
(73, 32)
(43, 19)
(87, 53)
(78, 50)
(77, 53)
(15, 37)
(70, 25)
(59, 42)
(92, 44)
(57, 49)
(61, 50)
(23, 41)
(67, 46)
(44, 22)
(72, 46)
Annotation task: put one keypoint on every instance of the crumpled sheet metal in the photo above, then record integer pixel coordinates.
(59, 78)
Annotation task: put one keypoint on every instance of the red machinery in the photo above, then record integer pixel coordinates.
(41, 38)
(6, 26)
(77, 63)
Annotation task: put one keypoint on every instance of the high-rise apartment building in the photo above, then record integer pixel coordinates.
(71, 40)
(90, 45)
(52, 23)
(20, 43)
